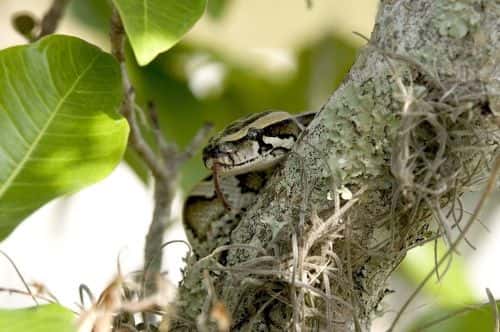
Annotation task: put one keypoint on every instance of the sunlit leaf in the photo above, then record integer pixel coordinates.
(154, 26)
(59, 129)
(44, 318)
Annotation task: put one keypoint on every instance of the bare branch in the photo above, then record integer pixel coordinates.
(164, 165)
(197, 141)
(137, 141)
(52, 17)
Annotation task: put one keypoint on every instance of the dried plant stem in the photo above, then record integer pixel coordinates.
(48, 299)
(28, 289)
(490, 186)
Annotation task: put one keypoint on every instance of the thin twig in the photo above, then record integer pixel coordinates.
(411, 61)
(136, 140)
(489, 188)
(21, 292)
(20, 277)
(84, 289)
(164, 165)
(197, 141)
(164, 180)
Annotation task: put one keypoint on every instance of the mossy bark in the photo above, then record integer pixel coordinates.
(412, 127)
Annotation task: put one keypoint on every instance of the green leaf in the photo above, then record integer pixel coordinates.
(44, 318)
(59, 129)
(154, 26)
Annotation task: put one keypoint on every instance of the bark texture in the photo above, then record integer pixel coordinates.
(412, 127)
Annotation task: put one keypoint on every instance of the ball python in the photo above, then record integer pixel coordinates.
(242, 158)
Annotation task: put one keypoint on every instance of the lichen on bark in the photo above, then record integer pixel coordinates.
(412, 127)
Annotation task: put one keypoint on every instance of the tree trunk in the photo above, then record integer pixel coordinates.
(412, 127)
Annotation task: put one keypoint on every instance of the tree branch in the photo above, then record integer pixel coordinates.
(164, 166)
(52, 17)
(398, 126)
(164, 171)
(137, 141)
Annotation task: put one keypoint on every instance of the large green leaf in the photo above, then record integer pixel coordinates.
(154, 26)
(59, 129)
(45, 318)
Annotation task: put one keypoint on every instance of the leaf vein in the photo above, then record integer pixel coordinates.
(40, 135)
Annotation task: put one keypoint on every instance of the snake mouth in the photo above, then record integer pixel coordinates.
(227, 165)
(222, 161)
(230, 168)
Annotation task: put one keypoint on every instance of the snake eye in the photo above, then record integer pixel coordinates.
(253, 133)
